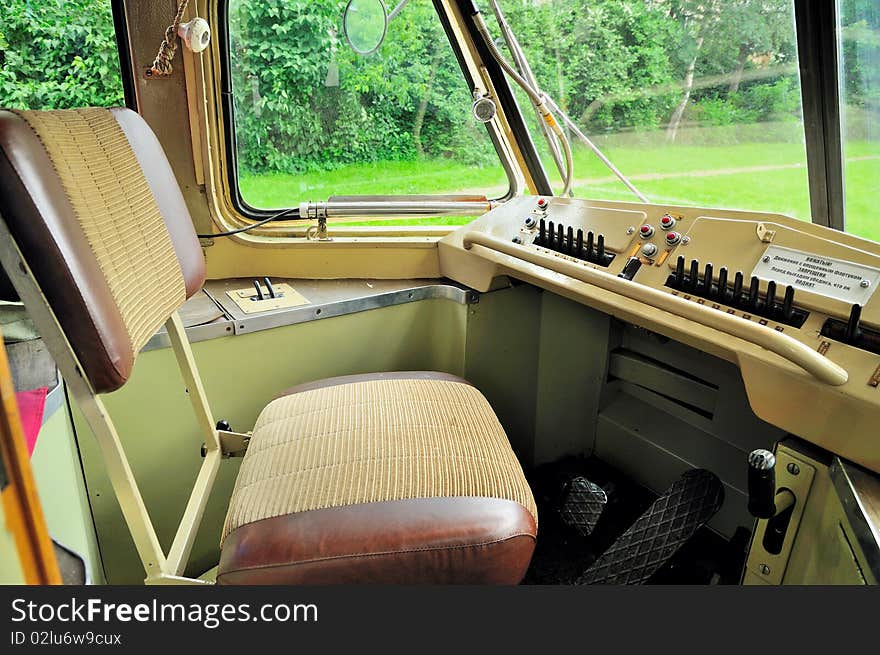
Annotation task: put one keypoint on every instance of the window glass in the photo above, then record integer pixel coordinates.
(697, 102)
(860, 35)
(314, 119)
(57, 54)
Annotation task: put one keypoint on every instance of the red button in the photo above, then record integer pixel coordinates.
(645, 229)
(672, 237)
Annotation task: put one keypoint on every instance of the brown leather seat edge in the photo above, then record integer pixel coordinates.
(461, 540)
(370, 377)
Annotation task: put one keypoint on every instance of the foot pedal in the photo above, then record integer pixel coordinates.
(583, 505)
(656, 536)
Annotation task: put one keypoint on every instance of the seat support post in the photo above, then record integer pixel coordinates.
(195, 508)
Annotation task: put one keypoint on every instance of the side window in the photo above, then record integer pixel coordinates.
(314, 119)
(860, 35)
(56, 55)
(697, 102)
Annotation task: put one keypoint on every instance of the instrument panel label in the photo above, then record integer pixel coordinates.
(833, 278)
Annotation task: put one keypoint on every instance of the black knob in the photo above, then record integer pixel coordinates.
(600, 249)
(560, 238)
(580, 245)
(569, 246)
(223, 425)
(551, 236)
(707, 280)
(542, 233)
(762, 484)
(590, 246)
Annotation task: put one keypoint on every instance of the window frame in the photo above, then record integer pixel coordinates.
(819, 59)
(502, 90)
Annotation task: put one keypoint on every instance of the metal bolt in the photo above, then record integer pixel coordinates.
(630, 230)
(765, 259)
(794, 469)
(765, 569)
(865, 284)
(685, 241)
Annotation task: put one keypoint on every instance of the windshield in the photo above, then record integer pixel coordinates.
(698, 103)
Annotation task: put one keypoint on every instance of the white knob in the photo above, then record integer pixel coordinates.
(196, 34)
(649, 250)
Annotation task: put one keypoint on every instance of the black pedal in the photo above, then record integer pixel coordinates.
(582, 505)
(657, 535)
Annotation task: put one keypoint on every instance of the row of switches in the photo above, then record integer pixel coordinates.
(747, 298)
(589, 247)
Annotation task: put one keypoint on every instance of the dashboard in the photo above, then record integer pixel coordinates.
(793, 304)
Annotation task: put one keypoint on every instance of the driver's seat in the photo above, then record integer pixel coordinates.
(391, 478)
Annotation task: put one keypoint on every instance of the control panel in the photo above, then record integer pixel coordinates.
(792, 303)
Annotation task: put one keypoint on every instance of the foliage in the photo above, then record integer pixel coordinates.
(305, 102)
(57, 54)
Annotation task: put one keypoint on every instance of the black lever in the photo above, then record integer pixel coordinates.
(707, 280)
(771, 298)
(580, 244)
(853, 333)
(569, 248)
(260, 295)
(600, 249)
(551, 235)
(762, 484)
(269, 286)
(679, 272)
(590, 246)
(737, 288)
(753, 294)
(695, 275)
(722, 284)
(542, 233)
(788, 303)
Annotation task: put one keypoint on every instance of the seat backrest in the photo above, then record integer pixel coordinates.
(95, 209)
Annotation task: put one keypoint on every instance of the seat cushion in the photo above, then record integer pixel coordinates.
(407, 478)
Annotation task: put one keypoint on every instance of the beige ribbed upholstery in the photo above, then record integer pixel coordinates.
(374, 441)
(118, 214)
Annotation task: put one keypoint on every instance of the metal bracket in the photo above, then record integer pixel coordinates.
(232, 444)
(765, 234)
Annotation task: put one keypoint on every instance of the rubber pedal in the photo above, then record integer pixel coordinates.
(583, 505)
(657, 535)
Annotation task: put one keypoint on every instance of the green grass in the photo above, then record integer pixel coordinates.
(704, 175)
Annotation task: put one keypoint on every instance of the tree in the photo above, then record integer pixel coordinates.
(698, 18)
(56, 54)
